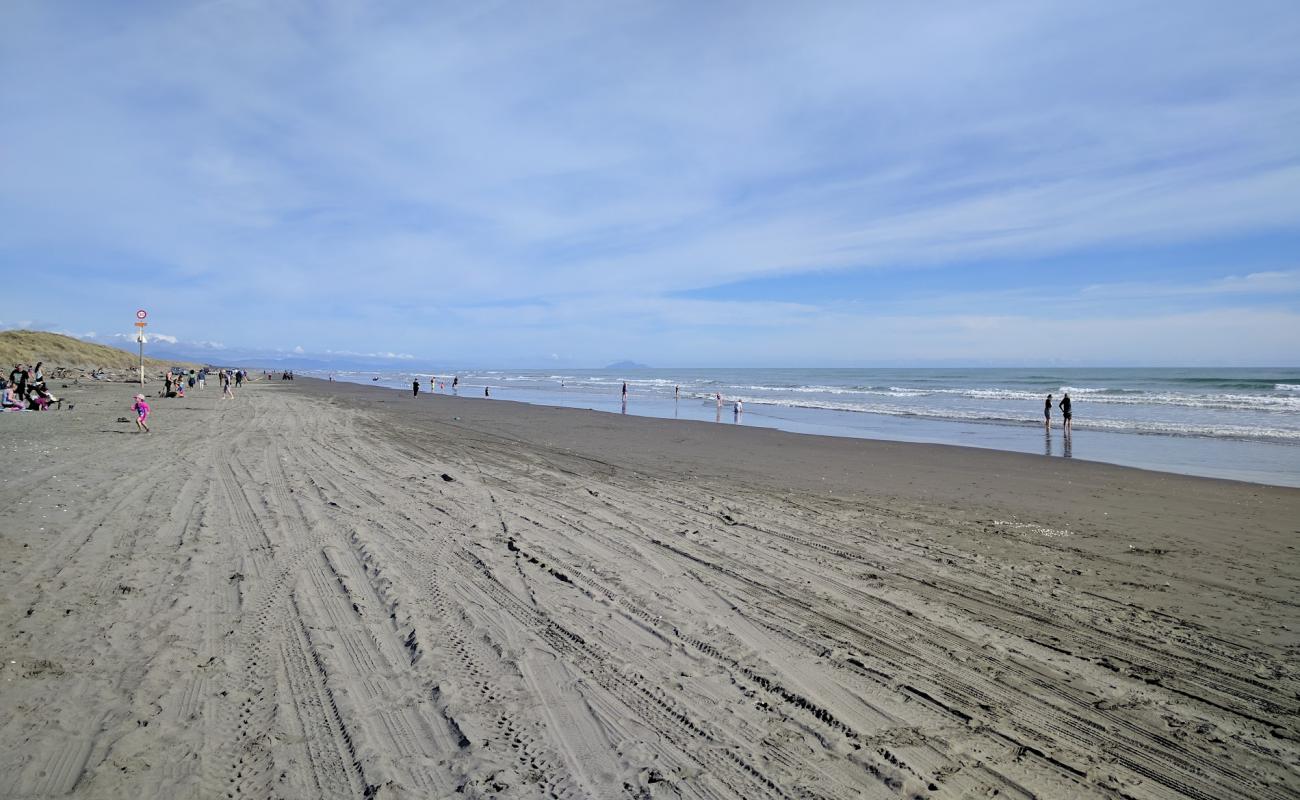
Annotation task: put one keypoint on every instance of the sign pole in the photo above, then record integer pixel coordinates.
(139, 337)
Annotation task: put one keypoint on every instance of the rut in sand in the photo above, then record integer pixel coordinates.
(299, 598)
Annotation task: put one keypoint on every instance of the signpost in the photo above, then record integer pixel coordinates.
(139, 337)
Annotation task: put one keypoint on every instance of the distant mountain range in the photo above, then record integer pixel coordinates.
(627, 365)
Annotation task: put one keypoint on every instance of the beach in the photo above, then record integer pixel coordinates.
(330, 590)
(1236, 423)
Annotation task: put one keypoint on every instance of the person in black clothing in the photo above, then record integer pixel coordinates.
(415, 388)
(1047, 414)
(1065, 412)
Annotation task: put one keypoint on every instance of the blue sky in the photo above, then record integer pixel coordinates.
(681, 184)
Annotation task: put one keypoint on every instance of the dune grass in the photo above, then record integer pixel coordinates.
(57, 350)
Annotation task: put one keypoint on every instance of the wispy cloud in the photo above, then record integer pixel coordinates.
(1254, 283)
(366, 179)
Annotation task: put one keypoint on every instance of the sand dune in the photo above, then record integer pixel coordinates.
(66, 354)
(329, 591)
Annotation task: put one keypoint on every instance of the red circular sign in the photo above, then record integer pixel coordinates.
(141, 314)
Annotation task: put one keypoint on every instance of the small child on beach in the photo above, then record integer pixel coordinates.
(141, 409)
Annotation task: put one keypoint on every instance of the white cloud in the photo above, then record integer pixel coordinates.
(383, 355)
(337, 173)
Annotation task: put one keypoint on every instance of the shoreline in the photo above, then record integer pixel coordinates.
(323, 590)
(753, 420)
(1210, 446)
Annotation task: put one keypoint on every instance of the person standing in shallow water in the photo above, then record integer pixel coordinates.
(1047, 414)
(1067, 416)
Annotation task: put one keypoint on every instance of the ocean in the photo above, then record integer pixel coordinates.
(1241, 423)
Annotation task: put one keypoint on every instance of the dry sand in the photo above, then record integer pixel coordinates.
(319, 590)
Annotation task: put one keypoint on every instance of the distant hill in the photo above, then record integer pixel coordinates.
(57, 350)
(626, 365)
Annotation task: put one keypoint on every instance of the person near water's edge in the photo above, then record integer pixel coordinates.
(415, 388)
(1066, 414)
(486, 393)
(1047, 414)
(677, 393)
(624, 391)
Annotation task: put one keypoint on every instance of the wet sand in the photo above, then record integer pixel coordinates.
(327, 590)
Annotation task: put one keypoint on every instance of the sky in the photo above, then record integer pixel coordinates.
(679, 184)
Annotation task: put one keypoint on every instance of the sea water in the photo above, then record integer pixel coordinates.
(1230, 423)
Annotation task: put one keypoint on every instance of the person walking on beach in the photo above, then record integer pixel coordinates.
(141, 409)
(486, 392)
(226, 393)
(415, 388)
(1047, 414)
(455, 384)
(1066, 416)
(624, 391)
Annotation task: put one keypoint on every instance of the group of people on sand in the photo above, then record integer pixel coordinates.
(25, 390)
(176, 381)
(1066, 414)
